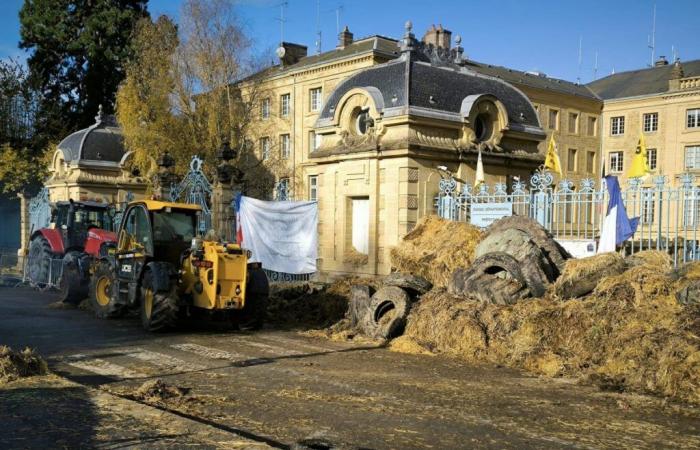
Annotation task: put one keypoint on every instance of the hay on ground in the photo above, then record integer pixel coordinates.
(629, 334)
(581, 276)
(435, 248)
(656, 258)
(15, 365)
(157, 390)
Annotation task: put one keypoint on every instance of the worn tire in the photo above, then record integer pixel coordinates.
(358, 307)
(104, 297)
(38, 261)
(482, 280)
(412, 283)
(72, 288)
(254, 312)
(387, 313)
(159, 309)
(552, 251)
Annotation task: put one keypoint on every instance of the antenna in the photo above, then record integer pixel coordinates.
(338, 10)
(281, 19)
(318, 27)
(674, 52)
(652, 41)
(595, 67)
(580, 52)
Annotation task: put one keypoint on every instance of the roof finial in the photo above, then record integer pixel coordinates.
(408, 42)
(100, 114)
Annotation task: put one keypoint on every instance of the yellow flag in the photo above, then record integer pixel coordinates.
(640, 165)
(551, 161)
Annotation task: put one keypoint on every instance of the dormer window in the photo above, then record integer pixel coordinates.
(364, 122)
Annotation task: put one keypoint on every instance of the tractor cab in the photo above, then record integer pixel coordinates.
(75, 219)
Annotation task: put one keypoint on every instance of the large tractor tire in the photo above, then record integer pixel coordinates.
(73, 288)
(387, 314)
(257, 292)
(159, 309)
(104, 297)
(39, 261)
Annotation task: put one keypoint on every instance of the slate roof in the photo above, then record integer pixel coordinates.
(102, 141)
(411, 81)
(649, 81)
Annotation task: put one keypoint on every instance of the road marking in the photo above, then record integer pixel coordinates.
(275, 350)
(209, 352)
(101, 367)
(300, 343)
(163, 360)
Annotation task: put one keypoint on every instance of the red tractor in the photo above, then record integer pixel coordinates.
(80, 232)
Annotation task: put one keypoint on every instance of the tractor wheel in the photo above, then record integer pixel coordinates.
(71, 286)
(104, 297)
(159, 309)
(38, 261)
(252, 317)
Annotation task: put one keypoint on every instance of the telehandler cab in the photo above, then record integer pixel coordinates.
(161, 266)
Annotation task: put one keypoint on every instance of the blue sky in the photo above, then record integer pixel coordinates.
(536, 35)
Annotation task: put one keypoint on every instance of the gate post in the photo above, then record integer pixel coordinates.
(222, 215)
(24, 228)
(165, 176)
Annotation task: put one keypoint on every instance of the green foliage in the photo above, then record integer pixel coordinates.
(79, 48)
(20, 168)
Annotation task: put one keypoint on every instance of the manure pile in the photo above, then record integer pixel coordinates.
(639, 330)
(15, 365)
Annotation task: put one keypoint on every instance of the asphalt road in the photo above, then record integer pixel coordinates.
(277, 388)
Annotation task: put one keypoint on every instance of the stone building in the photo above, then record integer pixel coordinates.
(364, 127)
(663, 104)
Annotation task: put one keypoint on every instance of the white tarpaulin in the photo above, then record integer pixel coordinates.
(283, 236)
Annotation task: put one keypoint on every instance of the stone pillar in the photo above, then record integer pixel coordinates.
(165, 176)
(222, 215)
(24, 229)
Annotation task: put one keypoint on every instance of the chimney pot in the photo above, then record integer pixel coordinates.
(345, 38)
(661, 61)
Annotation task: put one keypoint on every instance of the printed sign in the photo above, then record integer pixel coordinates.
(483, 214)
(579, 248)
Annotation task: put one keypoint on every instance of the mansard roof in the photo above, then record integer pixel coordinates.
(101, 142)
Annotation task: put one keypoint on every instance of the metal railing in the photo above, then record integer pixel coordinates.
(669, 216)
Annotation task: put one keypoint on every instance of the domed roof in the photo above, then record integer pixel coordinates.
(102, 141)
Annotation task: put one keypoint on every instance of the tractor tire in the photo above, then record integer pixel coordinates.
(159, 309)
(71, 286)
(553, 252)
(358, 308)
(38, 261)
(257, 292)
(387, 313)
(104, 297)
(414, 284)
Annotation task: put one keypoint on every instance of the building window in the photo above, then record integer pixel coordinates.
(651, 122)
(360, 224)
(284, 105)
(313, 188)
(315, 99)
(647, 205)
(590, 162)
(651, 158)
(592, 126)
(616, 161)
(314, 141)
(617, 126)
(692, 157)
(693, 118)
(265, 108)
(573, 123)
(265, 148)
(553, 119)
(571, 165)
(691, 209)
(285, 146)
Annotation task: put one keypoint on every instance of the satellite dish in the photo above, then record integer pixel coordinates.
(281, 51)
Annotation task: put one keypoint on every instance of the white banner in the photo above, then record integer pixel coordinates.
(283, 236)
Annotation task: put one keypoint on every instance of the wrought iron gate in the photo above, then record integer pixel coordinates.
(197, 190)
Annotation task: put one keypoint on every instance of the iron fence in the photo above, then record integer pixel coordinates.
(669, 215)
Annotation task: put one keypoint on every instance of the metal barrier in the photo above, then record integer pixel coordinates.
(669, 216)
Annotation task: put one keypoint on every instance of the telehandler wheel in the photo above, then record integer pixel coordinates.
(252, 317)
(71, 287)
(159, 310)
(103, 296)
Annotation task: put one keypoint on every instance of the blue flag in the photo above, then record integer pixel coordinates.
(617, 227)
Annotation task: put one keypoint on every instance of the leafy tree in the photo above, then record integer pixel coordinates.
(180, 94)
(79, 48)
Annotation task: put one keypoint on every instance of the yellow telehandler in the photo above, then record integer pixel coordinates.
(161, 266)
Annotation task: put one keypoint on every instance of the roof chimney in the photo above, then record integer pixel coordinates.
(438, 37)
(290, 54)
(344, 38)
(677, 71)
(661, 62)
